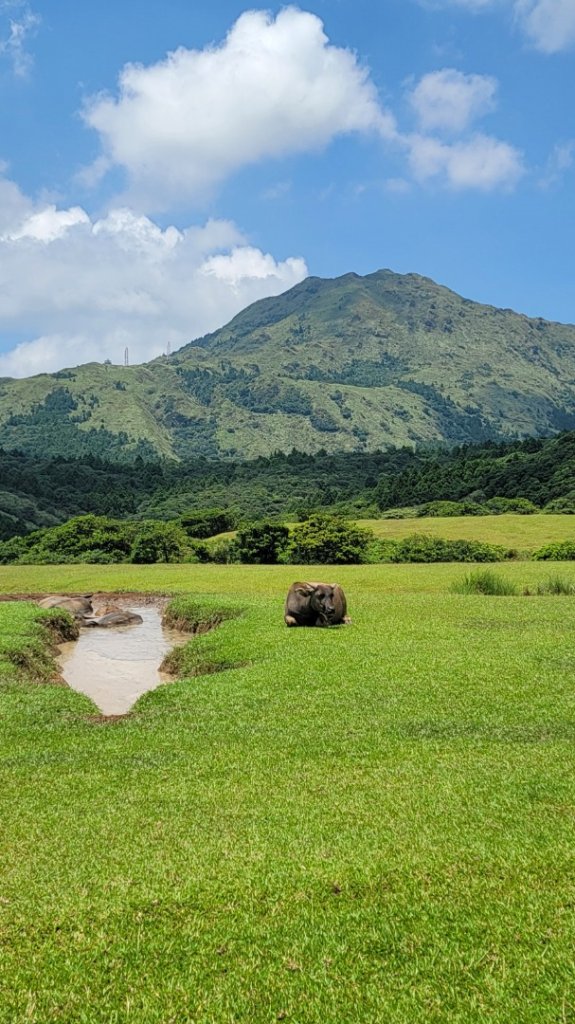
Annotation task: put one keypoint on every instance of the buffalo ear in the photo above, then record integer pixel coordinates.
(304, 589)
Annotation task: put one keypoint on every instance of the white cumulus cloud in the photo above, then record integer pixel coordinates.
(275, 86)
(47, 224)
(78, 289)
(480, 162)
(449, 100)
(446, 104)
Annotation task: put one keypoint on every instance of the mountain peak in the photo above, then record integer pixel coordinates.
(351, 363)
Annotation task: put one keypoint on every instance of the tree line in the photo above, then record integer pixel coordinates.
(37, 493)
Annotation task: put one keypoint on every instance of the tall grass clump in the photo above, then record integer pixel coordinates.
(554, 585)
(485, 581)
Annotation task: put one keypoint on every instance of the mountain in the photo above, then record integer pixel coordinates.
(349, 364)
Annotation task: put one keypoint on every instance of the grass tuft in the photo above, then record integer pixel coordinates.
(484, 581)
(553, 585)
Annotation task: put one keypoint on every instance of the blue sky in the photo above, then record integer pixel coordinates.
(166, 163)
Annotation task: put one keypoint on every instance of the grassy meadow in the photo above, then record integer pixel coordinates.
(523, 533)
(367, 824)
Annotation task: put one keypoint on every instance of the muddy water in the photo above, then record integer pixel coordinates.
(115, 666)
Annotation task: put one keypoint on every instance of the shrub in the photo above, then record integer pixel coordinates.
(520, 506)
(554, 585)
(329, 540)
(418, 547)
(197, 551)
(159, 542)
(87, 538)
(450, 508)
(262, 543)
(485, 581)
(410, 512)
(563, 506)
(223, 551)
(208, 522)
(379, 550)
(561, 551)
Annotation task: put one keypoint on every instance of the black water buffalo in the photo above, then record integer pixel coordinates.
(315, 604)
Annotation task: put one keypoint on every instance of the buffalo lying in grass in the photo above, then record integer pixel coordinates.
(316, 604)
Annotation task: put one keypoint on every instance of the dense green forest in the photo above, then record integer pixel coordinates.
(36, 493)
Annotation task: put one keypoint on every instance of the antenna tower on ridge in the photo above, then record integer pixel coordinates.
(126, 357)
(169, 349)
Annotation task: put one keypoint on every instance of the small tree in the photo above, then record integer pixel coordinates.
(159, 542)
(325, 539)
(262, 543)
(208, 522)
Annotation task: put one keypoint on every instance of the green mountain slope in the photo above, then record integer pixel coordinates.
(350, 364)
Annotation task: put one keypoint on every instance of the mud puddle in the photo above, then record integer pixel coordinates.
(117, 665)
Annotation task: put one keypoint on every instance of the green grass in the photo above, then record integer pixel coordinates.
(524, 533)
(556, 586)
(485, 581)
(265, 581)
(374, 823)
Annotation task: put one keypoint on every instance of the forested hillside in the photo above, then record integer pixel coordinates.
(354, 364)
(42, 492)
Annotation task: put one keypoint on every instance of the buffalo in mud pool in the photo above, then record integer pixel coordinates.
(91, 613)
(79, 607)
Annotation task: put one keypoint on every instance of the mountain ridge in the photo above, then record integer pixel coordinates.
(353, 363)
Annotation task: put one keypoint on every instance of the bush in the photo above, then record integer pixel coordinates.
(418, 547)
(562, 506)
(159, 542)
(223, 552)
(450, 508)
(379, 550)
(87, 538)
(329, 540)
(520, 506)
(262, 543)
(208, 522)
(561, 551)
(485, 581)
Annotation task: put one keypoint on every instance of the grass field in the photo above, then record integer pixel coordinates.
(525, 533)
(522, 533)
(369, 824)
